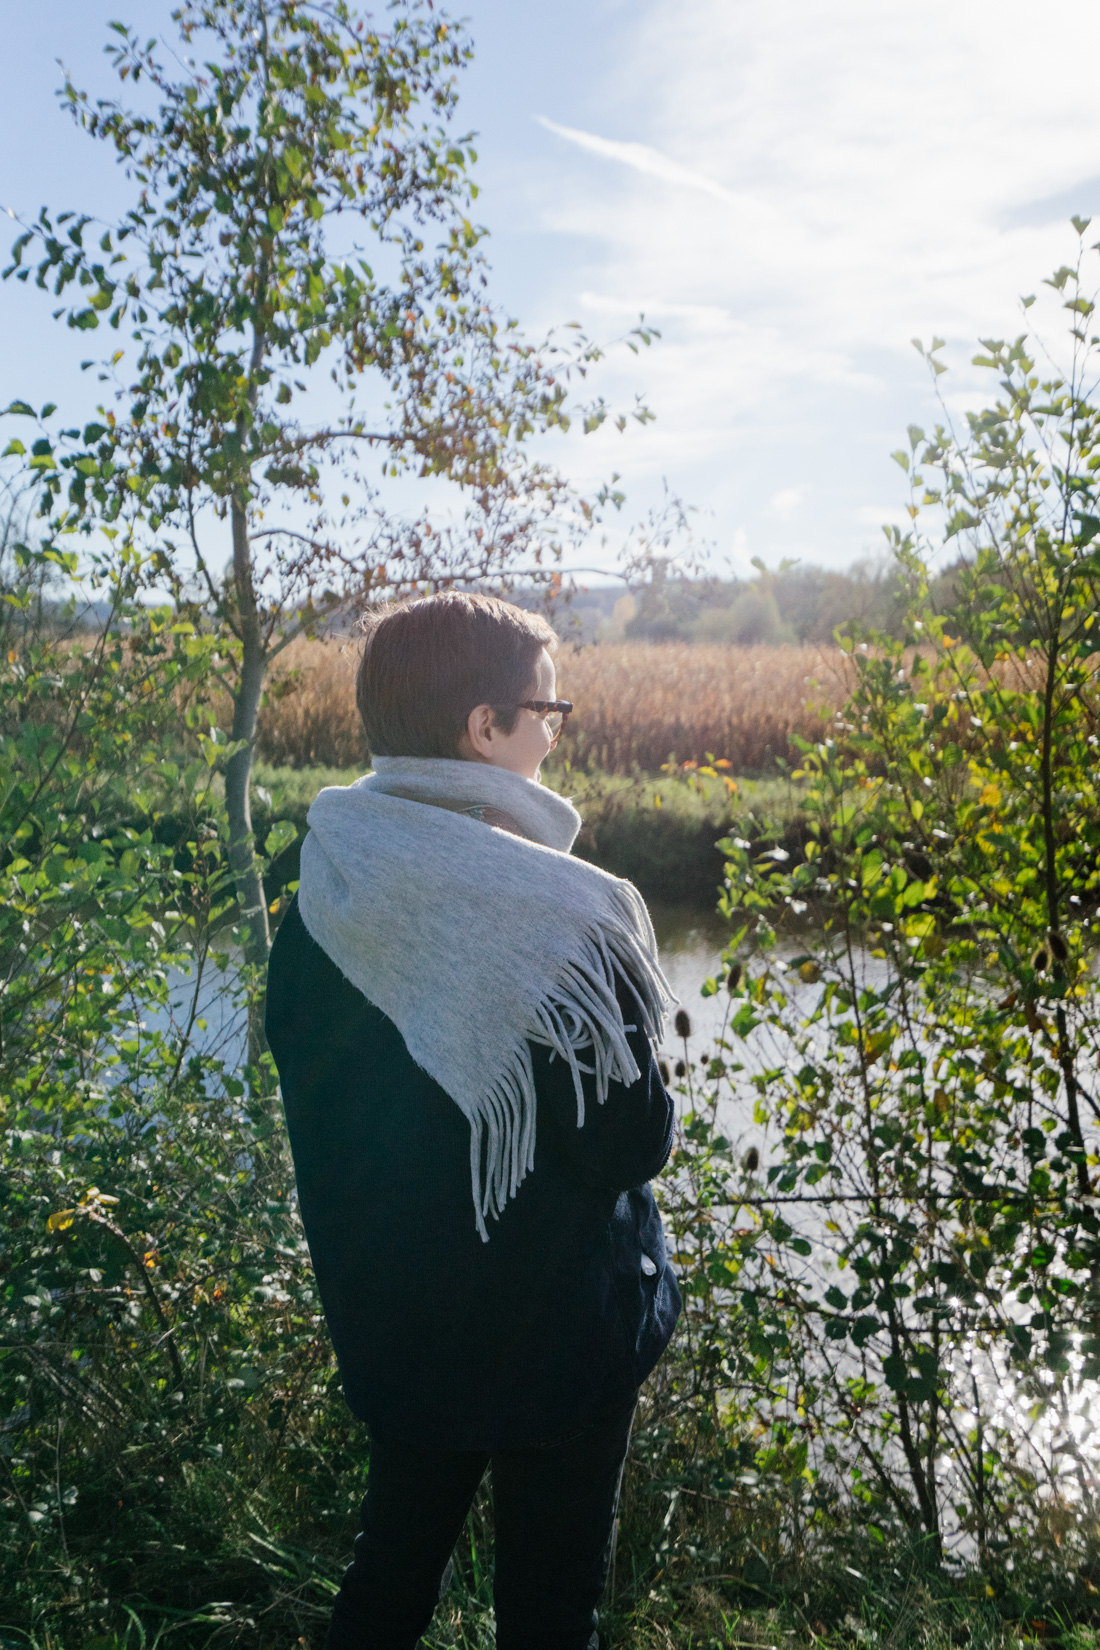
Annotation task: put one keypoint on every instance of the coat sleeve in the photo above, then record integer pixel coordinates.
(625, 1141)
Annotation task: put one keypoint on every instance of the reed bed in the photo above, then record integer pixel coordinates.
(638, 704)
(310, 719)
(642, 704)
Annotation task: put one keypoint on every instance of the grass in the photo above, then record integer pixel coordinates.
(310, 719)
(638, 703)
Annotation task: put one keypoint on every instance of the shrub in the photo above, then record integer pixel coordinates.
(904, 1292)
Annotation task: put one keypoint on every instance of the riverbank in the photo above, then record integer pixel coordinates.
(660, 833)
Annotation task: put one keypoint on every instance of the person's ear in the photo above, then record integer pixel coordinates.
(480, 728)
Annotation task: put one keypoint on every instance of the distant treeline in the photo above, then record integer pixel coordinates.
(794, 605)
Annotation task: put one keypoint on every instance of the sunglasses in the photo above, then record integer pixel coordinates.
(552, 711)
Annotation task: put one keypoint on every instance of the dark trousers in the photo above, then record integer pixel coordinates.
(553, 1512)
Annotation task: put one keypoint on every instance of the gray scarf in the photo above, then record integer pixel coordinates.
(477, 941)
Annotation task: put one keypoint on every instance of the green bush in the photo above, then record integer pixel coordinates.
(164, 1375)
(899, 1283)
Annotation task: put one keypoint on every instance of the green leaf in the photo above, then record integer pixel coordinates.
(894, 1373)
(282, 835)
(743, 1021)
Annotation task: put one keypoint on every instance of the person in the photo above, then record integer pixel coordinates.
(463, 1018)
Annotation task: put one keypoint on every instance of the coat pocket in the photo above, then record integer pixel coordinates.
(644, 1283)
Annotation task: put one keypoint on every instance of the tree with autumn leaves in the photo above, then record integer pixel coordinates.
(299, 295)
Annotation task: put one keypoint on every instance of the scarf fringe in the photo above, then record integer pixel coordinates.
(389, 857)
(582, 1013)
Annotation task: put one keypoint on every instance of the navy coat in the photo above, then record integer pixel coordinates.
(442, 1339)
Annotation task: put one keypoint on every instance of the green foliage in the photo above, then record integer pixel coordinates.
(235, 278)
(905, 1284)
(751, 620)
(163, 1367)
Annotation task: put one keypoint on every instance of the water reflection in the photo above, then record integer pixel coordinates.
(690, 943)
(204, 1006)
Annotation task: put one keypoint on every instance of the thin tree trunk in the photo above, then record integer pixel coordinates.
(246, 709)
(924, 1486)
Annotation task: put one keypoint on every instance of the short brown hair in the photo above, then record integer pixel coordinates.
(427, 663)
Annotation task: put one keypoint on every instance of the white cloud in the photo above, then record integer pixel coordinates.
(883, 515)
(805, 189)
(642, 158)
(784, 503)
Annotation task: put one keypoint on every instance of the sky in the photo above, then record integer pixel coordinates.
(790, 193)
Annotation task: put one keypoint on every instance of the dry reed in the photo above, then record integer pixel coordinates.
(638, 704)
(310, 719)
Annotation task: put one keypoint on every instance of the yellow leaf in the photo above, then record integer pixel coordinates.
(61, 1220)
(991, 796)
(657, 799)
(875, 1047)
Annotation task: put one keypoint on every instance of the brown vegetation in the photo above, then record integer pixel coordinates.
(641, 703)
(309, 719)
(638, 704)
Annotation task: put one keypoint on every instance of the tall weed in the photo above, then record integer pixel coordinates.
(640, 704)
